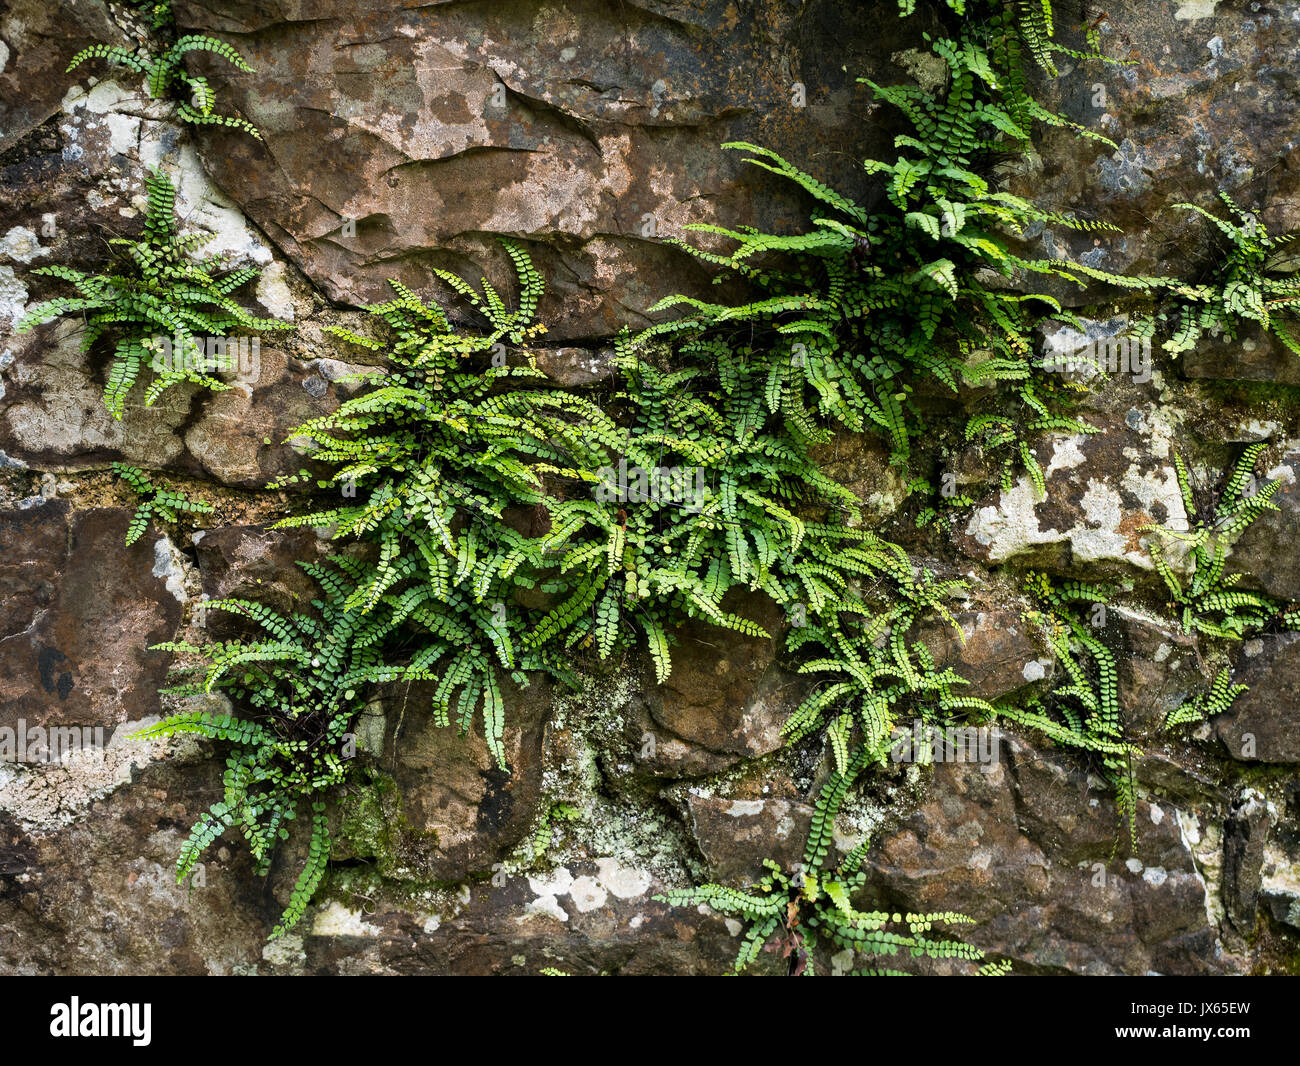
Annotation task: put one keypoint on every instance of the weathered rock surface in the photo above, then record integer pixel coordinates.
(79, 613)
(1245, 837)
(1203, 92)
(588, 131)
(996, 652)
(726, 698)
(1158, 668)
(387, 153)
(735, 836)
(1264, 723)
(38, 41)
(1253, 355)
(55, 417)
(1022, 846)
(452, 812)
(1102, 489)
(1267, 554)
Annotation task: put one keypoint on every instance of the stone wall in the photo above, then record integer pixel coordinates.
(384, 155)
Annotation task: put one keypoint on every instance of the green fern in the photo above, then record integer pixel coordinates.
(161, 500)
(1253, 282)
(1207, 600)
(849, 314)
(813, 906)
(1217, 699)
(1083, 710)
(160, 304)
(301, 685)
(165, 73)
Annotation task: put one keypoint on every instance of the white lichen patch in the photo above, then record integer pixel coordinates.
(625, 882)
(44, 797)
(273, 292)
(1205, 845)
(545, 905)
(284, 951)
(169, 564)
(334, 919)
(110, 120)
(1191, 10)
(1107, 528)
(21, 245)
(587, 894)
(13, 297)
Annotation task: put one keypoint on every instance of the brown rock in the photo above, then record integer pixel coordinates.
(257, 563)
(1255, 355)
(1023, 846)
(587, 132)
(735, 836)
(1177, 111)
(80, 614)
(998, 656)
(726, 699)
(1263, 723)
(1245, 834)
(454, 813)
(40, 40)
(1267, 554)
(1158, 668)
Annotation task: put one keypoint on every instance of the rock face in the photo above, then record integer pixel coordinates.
(1176, 112)
(995, 653)
(1262, 723)
(402, 136)
(1158, 668)
(39, 40)
(451, 812)
(1023, 845)
(80, 610)
(1102, 489)
(1266, 555)
(737, 835)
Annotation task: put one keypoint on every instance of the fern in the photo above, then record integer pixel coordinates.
(1207, 600)
(162, 306)
(1249, 285)
(302, 683)
(161, 500)
(812, 906)
(851, 313)
(1217, 699)
(1083, 710)
(165, 74)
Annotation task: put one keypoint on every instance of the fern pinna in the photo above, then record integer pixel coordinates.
(163, 307)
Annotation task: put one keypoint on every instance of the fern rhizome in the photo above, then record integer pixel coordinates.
(493, 527)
